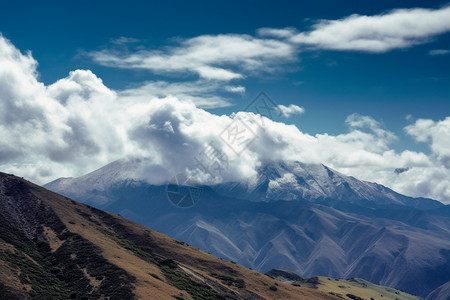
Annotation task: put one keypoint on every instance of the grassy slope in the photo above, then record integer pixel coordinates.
(361, 288)
(354, 288)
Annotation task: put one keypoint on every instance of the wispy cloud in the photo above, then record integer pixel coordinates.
(218, 60)
(401, 28)
(123, 40)
(235, 89)
(202, 93)
(213, 60)
(215, 57)
(277, 32)
(439, 52)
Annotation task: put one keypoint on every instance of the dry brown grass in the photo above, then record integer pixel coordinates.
(53, 241)
(361, 288)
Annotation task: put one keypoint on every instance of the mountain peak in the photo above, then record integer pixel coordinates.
(294, 180)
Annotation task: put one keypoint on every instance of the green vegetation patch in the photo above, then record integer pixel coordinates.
(44, 284)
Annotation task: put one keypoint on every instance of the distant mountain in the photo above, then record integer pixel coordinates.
(305, 218)
(52, 247)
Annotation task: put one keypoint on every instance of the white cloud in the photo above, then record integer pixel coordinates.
(401, 28)
(436, 134)
(215, 59)
(292, 109)
(78, 124)
(358, 122)
(208, 56)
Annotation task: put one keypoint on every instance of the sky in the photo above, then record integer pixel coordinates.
(363, 88)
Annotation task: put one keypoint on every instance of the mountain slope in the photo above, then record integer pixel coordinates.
(54, 247)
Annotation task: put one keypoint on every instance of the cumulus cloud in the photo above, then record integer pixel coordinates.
(292, 109)
(57, 126)
(78, 124)
(400, 28)
(358, 122)
(436, 134)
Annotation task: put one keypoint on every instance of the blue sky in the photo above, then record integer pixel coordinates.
(332, 59)
(334, 84)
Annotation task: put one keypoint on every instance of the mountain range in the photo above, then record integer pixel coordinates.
(306, 218)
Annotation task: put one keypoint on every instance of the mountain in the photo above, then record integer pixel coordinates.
(52, 247)
(305, 218)
(275, 181)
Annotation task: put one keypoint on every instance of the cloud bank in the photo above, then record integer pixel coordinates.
(77, 124)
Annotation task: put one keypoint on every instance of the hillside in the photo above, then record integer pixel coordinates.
(54, 247)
